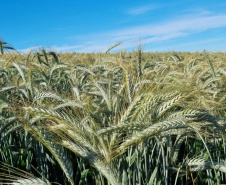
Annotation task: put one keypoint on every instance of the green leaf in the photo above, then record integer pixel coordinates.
(132, 159)
(124, 178)
(153, 175)
(159, 182)
(22, 163)
(83, 176)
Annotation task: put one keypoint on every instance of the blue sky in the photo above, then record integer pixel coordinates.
(94, 26)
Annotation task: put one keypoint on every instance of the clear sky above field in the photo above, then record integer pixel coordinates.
(95, 25)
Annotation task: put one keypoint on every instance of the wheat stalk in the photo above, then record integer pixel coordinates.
(152, 131)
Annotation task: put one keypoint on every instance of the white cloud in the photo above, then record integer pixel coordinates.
(150, 33)
(27, 50)
(198, 45)
(65, 48)
(140, 10)
(185, 25)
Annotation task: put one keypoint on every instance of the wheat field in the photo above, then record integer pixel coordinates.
(125, 118)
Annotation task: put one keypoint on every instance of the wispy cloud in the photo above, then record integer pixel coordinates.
(183, 26)
(186, 25)
(208, 43)
(149, 33)
(65, 48)
(140, 10)
(33, 48)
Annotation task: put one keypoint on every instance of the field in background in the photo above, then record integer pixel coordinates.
(118, 118)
